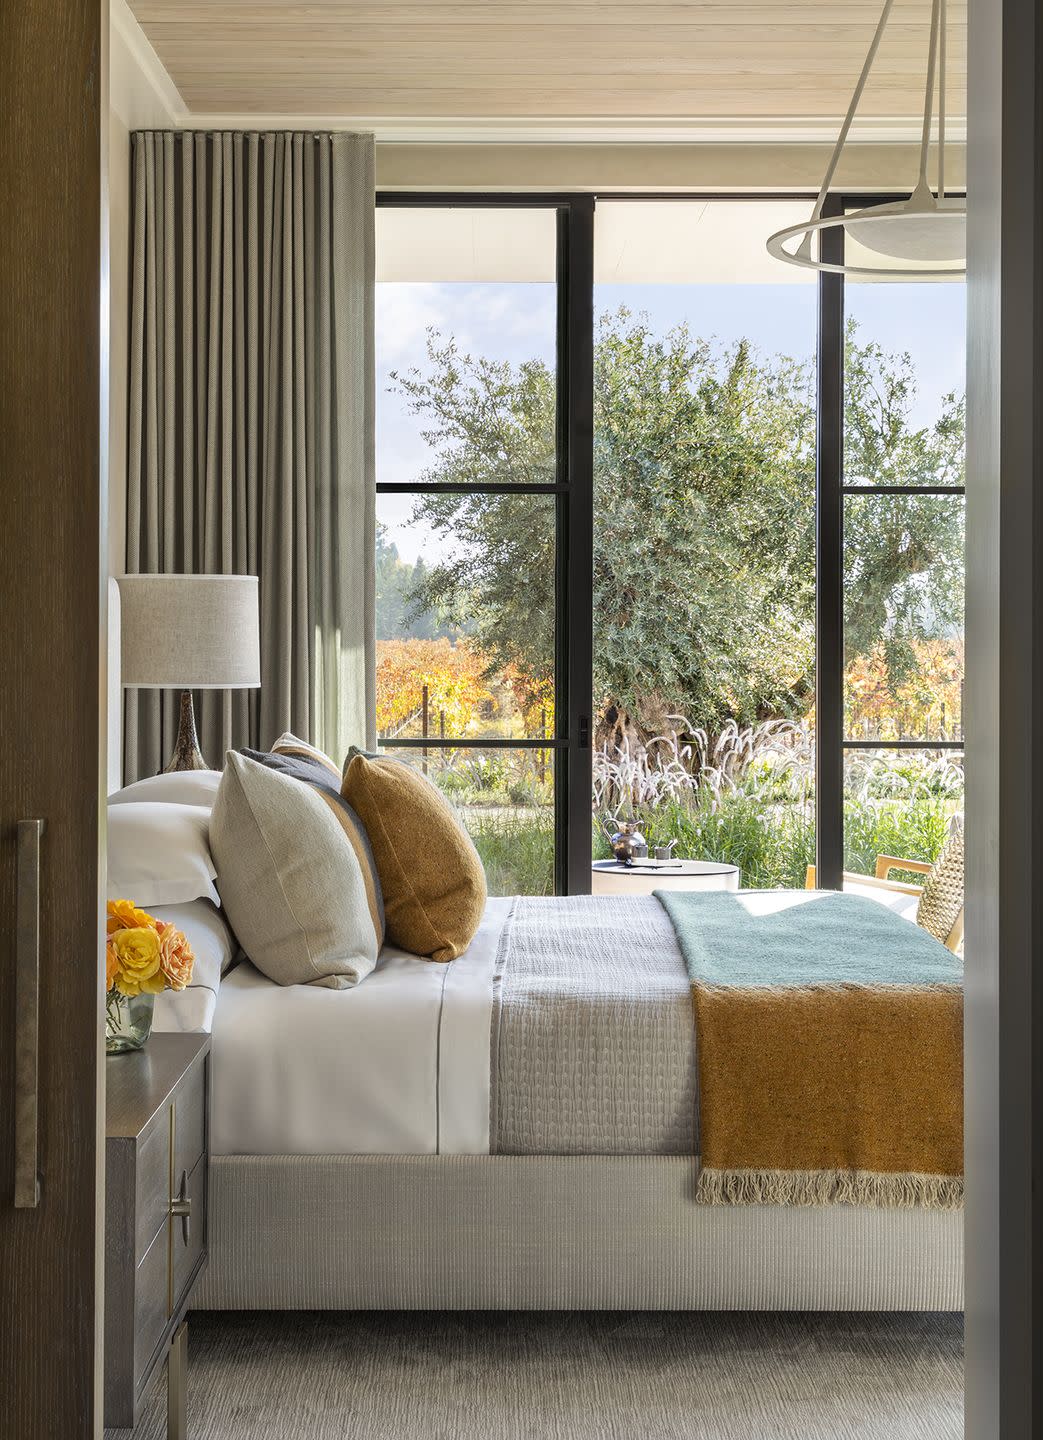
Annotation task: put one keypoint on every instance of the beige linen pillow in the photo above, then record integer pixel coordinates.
(289, 879)
(430, 872)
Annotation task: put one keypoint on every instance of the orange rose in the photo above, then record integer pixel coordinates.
(112, 965)
(175, 956)
(125, 915)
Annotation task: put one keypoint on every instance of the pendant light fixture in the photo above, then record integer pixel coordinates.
(924, 236)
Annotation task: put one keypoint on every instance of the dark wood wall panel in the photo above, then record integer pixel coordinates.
(52, 97)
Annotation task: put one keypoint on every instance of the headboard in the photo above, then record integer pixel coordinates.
(115, 691)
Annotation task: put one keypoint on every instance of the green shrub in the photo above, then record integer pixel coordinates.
(488, 772)
(765, 826)
(517, 850)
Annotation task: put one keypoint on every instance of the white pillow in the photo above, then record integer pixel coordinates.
(180, 787)
(214, 947)
(160, 854)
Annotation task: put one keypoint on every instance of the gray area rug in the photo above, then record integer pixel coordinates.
(562, 1376)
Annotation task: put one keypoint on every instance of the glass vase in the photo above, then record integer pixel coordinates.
(128, 1021)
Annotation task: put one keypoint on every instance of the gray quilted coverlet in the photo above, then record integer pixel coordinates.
(593, 1035)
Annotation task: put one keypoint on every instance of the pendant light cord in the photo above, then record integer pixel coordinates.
(928, 104)
(941, 103)
(834, 159)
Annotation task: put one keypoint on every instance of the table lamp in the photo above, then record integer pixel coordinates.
(190, 632)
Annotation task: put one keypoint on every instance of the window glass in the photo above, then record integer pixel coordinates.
(704, 533)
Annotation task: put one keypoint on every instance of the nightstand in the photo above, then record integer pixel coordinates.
(157, 1155)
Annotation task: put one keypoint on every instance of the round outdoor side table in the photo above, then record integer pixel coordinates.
(608, 877)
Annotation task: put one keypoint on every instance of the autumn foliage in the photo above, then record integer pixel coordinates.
(927, 704)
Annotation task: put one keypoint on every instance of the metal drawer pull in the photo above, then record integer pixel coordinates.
(181, 1208)
(27, 1016)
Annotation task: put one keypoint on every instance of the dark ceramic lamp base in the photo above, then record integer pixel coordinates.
(186, 754)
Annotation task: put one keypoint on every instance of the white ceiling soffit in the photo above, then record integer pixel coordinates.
(688, 242)
(672, 242)
(427, 244)
(646, 242)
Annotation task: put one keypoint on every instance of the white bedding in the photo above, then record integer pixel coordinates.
(396, 1066)
(214, 947)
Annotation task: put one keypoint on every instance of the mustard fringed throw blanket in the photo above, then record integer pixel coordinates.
(830, 1048)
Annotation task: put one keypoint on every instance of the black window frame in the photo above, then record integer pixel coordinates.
(573, 490)
(832, 743)
(573, 494)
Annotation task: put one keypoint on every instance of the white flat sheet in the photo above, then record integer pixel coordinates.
(214, 947)
(399, 1065)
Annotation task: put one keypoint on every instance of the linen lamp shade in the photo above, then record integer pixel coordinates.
(190, 632)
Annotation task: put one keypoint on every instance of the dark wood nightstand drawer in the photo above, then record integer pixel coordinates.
(156, 1143)
(189, 1241)
(190, 1121)
(152, 1198)
(151, 1310)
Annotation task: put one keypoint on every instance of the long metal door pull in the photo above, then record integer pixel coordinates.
(27, 1016)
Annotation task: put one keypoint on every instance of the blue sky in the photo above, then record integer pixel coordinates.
(516, 322)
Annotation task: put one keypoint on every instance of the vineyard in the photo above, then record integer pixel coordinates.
(453, 687)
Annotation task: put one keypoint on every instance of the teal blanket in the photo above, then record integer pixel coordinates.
(813, 938)
(829, 1036)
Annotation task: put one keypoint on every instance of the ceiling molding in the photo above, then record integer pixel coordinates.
(593, 131)
(606, 169)
(148, 63)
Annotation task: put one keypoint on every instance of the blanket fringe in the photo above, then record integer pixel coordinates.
(829, 1187)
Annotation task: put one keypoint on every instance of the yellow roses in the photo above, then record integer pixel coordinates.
(144, 955)
(137, 961)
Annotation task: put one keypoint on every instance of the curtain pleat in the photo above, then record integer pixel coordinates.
(250, 419)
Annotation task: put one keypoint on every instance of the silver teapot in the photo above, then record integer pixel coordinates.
(628, 843)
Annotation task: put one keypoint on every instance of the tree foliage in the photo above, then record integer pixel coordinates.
(704, 548)
(402, 612)
(903, 554)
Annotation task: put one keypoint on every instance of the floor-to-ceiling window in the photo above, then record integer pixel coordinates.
(476, 485)
(903, 563)
(704, 533)
(652, 628)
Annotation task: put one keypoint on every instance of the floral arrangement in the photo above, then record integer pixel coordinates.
(143, 957)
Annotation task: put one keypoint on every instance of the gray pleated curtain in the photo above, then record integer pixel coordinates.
(250, 445)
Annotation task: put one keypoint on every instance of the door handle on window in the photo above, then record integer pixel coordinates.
(27, 1016)
(181, 1208)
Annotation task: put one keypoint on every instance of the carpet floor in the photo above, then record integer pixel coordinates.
(579, 1376)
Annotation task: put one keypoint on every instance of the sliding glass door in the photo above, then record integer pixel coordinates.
(666, 531)
(483, 485)
(704, 534)
(891, 566)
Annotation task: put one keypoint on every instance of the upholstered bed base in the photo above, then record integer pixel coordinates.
(551, 1232)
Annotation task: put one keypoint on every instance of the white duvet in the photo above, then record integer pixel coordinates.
(398, 1065)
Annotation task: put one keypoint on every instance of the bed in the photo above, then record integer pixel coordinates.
(424, 1142)
(435, 1139)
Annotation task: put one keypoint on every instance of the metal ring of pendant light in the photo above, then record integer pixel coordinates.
(924, 211)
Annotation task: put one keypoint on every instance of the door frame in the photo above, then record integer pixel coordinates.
(1004, 724)
(53, 643)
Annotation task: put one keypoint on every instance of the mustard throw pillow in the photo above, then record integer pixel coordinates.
(430, 873)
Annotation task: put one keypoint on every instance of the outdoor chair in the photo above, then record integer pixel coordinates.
(938, 904)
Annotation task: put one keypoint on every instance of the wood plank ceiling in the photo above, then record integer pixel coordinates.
(571, 60)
